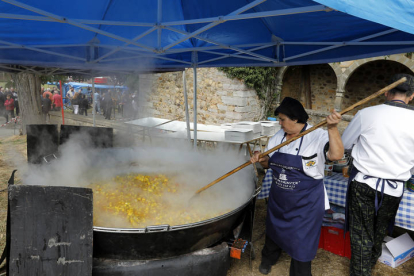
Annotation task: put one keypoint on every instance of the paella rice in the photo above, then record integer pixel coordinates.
(138, 200)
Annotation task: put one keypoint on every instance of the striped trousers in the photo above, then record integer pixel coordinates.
(368, 230)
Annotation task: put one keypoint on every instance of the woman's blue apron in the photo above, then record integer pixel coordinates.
(296, 207)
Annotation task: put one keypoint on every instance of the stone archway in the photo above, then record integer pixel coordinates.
(345, 71)
(357, 63)
(368, 78)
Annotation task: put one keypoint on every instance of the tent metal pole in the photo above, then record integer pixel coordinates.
(208, 48)
(11, 68)
(222, 45)
(69, 21)
(159, 19)
(46, 46)
(236, 55)
(40, 50)
(93, 101)
(251, 50)
(350, 43)
(337, 46)
(184, 50)
(125, 45)
(194, 59)
(315, 8)
(153, 56)
(187, 115)
(52, 71)
(273, 13)
(84, 21)
(214, 23)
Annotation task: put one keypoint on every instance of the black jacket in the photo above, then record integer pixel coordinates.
(2, 100)
(75, 101)
(84, 103)
(46, 105)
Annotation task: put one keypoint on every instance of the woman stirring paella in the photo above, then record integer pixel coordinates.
(297, 197)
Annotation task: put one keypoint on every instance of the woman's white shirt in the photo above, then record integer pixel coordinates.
(312, 152)
(384, 145)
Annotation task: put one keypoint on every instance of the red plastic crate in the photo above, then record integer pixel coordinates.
(321, 241)
(332, 240)
(347, 245)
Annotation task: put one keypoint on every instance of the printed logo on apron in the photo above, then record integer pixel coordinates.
(284, 183)
(282, 175)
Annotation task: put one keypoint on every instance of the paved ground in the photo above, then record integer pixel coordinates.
(6, 132)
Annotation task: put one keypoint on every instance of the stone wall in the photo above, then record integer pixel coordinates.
(219, 99)
(368, 79)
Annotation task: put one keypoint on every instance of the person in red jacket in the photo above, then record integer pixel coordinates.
(47, 92)
(57, 101)
(9, 104)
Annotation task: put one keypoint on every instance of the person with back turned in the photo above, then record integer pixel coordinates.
(83, 105)
(46, 106)
(57, 101)
(382, 137)
(298, 198)
(75, 101)
(108, 105)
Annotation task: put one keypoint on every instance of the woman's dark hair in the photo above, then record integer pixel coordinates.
(406, 87)
(293, 109)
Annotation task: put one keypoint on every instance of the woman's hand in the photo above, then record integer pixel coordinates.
(256, 157)
(333, 119)
(264, 160)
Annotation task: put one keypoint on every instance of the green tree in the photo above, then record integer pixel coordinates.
(262, 79)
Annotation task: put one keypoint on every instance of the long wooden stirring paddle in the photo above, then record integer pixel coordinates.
(361, 102)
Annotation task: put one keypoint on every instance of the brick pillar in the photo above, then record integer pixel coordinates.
(278, 92)
(338, 99)
(279, 83)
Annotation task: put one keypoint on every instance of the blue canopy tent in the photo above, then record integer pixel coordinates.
(85, 86)
(98, 36)
(101, 88)
(149, 35)
(78, 85)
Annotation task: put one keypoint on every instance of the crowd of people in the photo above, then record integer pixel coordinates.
(51, 100)
(106, 103)
(9, 103)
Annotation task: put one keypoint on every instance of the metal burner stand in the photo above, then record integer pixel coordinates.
(209, 261)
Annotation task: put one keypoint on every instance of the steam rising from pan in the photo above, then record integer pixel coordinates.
(79, 165)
